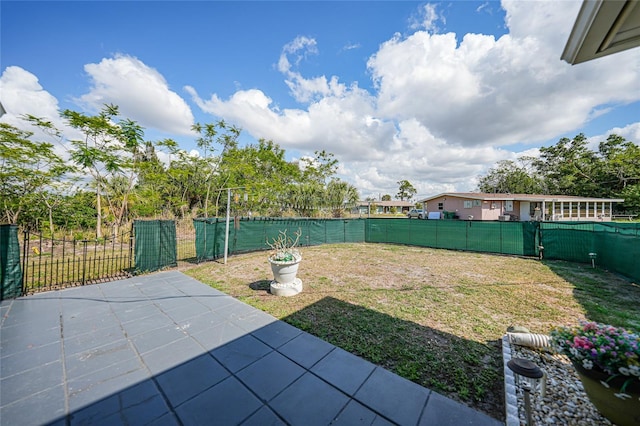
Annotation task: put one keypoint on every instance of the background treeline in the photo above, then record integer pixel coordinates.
(104, 174)
(109, 175)
(570, 167)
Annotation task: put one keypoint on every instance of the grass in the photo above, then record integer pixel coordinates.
(435, 317)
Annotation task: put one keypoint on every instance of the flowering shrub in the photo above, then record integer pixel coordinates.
(613, 350)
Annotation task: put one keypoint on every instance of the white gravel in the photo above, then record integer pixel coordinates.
(564, 403)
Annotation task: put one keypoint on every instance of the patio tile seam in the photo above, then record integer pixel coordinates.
(369, 406)
(266, 341)
(152, 378)
(358, 400)
(424, 407)
(145, 367)
(351, 397)
(6, 310)
(65, 378)
(28, 369)
(267, 402)
(42, 391)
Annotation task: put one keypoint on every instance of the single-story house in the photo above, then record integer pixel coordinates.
(518, 207)
(381, 207)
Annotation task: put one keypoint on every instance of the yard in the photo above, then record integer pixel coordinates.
(433, 316)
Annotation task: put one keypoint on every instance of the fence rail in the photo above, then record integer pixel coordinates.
(48, 263)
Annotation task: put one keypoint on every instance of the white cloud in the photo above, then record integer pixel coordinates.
(446, 107)
(351, 46)
(630, 132)
(141, 93)
(344, 124)
(427, 18)
(497, 92)
(22, 94)
(302, 89)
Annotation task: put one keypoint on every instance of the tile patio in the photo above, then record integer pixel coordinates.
(165, 349)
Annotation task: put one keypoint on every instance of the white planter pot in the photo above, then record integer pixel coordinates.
(284, 281)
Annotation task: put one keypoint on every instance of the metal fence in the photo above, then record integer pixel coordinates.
(49, 263)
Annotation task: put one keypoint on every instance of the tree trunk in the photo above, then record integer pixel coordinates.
(50, 219)
(99, 211)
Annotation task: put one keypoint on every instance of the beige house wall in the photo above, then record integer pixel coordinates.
(466, 208)
(478, 209)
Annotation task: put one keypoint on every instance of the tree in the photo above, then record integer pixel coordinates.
(621, 170)
(263, 173)
(631, 195)
(108, 149)
(304, 198)
(210, 135)
(27, 168)
(621, 162)
(570, 168)
(507, 177)
(77, 211)
(386, 197)
(320, 168)
(406, 190)
(339, 194)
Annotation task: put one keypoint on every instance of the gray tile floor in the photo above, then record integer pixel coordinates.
(165, 349)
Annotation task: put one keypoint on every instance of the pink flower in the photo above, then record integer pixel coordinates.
(582, 342)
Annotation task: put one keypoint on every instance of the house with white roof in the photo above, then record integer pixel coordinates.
(518, 207)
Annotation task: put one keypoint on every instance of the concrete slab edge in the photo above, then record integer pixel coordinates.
(512, 417)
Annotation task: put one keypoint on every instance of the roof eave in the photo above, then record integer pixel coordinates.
(596, 33)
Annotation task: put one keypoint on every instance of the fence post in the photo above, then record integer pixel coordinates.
(131, 242)
(84, 261)
(25, 260)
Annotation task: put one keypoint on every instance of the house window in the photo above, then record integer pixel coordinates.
(440, 206)
(477, 203)
(467, 204)
(508, 206)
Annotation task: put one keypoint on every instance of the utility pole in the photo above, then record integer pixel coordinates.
(226, 234)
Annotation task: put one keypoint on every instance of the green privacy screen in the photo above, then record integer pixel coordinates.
(252, 234)
(616, 246)
(517, 238)
(155, 245)
(10, 271)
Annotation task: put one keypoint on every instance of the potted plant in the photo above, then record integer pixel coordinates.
(285, 259)
(607, 360)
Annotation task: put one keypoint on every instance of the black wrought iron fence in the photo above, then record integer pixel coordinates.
(49, 263)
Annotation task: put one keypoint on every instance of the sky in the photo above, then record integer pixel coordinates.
(435, 93)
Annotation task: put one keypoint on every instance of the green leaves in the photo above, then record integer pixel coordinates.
(26, 167)
(510, 177)
(571, 167)
(405, 190)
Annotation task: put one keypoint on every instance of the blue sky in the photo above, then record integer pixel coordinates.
(435, 93)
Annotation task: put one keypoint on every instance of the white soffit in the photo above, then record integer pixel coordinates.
(603, 27)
